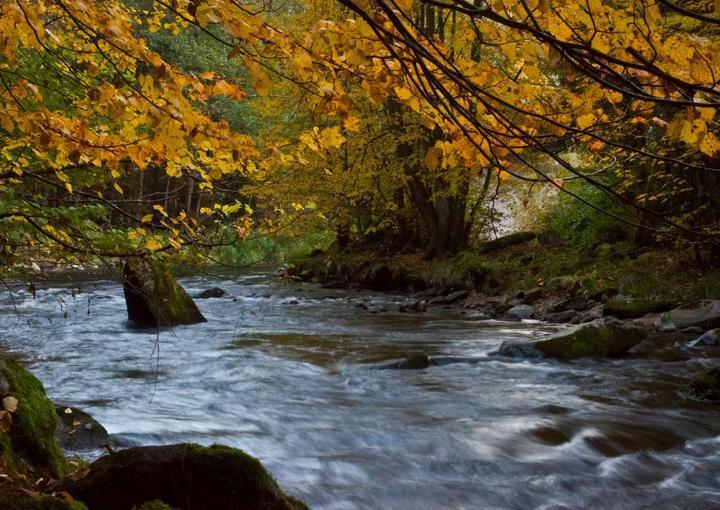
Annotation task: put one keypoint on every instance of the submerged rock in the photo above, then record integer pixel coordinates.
(414, 362)
(78, 431)
(419, 306)
(703, 314)
(598, 338)
(183, 476)
(154, 298)
(27, 434)
(212, 292)
(706, 383)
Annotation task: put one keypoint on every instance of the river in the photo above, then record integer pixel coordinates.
(289, 373)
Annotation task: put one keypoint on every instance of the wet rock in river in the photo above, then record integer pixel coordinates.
(213, 292)
(78, 431)
(520, 312)
(564, 316)
(708, 339)
(154, 298)
(704, 314)
(449, 299)
(414, 362)
(598, 338)
(706, 383)
(418, 306)
(594, 313)
(184, 476)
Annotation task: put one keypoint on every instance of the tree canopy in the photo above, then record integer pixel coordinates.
(380, 117)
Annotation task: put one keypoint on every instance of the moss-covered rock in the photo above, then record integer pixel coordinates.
(154, 298)
(597, 338)
(24, 501)
(184, 476)
(30, 443)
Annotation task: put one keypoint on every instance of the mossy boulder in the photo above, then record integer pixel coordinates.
(29, 444)
(153, 297)
(24, 501)
(183, 476)
(593, 339)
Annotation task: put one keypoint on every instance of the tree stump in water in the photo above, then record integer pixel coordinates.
(153, 297)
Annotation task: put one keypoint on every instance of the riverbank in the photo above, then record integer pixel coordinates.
(509, 269)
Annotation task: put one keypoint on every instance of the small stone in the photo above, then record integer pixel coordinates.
(10, 404)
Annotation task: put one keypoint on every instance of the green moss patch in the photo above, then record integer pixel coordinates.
(31, 441)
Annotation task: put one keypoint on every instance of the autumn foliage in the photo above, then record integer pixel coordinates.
(377, 117)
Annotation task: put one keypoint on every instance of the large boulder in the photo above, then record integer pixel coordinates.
(598, 338)
(153, 297)
(184, 476)
(27, 426)
(703, 314)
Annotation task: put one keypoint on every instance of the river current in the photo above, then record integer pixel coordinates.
(289, 373)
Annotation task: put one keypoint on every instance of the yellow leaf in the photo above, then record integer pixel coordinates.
(403, 93)
(405, 5)
(433, 157)
(68, 187)
(503, 175)
(152, 244)
(585, 121)
(331, 138)
(118, 188)
(352, 124)
(147, 218)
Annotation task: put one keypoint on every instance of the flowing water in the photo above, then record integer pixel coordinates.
(290, 374)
